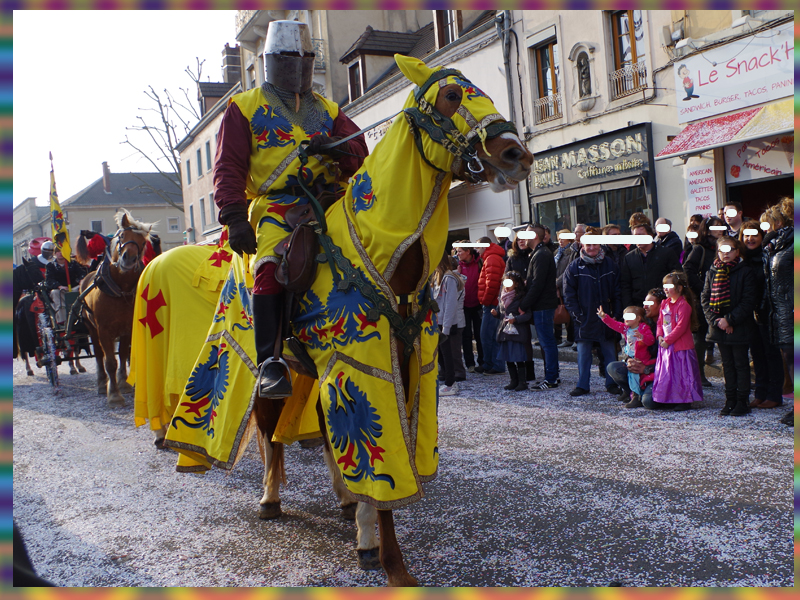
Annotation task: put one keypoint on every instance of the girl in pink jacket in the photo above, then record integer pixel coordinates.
(677, 377)
(638, 339)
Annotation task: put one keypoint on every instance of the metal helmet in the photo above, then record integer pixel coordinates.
(35, 246)
(47, 250)
(289, 56)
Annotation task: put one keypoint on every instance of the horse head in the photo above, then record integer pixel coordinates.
(131, 237)
(486, 147)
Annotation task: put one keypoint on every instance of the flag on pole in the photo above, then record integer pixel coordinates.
(57, 224)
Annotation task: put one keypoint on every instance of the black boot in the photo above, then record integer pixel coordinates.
(729, 404)
(512, 371)
(742, 407)
(274, 379)
(522, 385)
(530, 371)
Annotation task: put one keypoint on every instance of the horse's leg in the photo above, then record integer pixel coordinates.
(124, 357)
(110, 362)
(160, 434)
(391, 557)
(267, 413)
(72, 359)
(28, 369)
(102, 378)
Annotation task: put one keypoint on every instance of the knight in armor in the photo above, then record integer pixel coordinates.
(257, 169)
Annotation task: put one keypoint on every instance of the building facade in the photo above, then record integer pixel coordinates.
(30, 222)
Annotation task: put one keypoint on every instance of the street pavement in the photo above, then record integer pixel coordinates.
(534, 489)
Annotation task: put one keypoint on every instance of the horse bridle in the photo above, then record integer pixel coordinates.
(120, 246)
(443, 131)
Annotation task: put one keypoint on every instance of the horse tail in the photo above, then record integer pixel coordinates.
(277, 468)
(82, 252)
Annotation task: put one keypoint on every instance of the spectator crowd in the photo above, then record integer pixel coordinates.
(651, 312)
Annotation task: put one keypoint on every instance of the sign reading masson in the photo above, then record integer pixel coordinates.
(616, 155)
(749, 71)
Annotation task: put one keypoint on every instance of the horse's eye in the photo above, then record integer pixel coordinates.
(453, 97)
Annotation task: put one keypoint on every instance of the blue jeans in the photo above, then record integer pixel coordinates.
(491, 348)
(619, 373)
(608, 352)
(543, 322)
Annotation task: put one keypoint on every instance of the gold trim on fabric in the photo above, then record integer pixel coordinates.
(357, 365)
(264, 188)
(426, 216)
(377, 279)
(237, 348)
(392, 504)
(264, 260)
(484, 122)
(467, 116)
(431, 365)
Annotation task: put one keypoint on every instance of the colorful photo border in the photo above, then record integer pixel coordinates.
(6, 380)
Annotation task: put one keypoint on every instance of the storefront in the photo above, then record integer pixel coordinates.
(743, 148)
(596, 181)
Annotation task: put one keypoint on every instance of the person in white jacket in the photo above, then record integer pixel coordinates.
(448, 291)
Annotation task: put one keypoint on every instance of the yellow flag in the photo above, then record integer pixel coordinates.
(57, 224)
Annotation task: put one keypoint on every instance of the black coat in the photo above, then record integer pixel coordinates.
(740, 312)
(56, 275)
(673, 242)
(518, 261)
(755, 260)
(521, 322)
(564, 260)
(25, 278)
(638, 276)
(779, 283)
(698, 263)
(587, 287)
(540, 281)
(616, 255)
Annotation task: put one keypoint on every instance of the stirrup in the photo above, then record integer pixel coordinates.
(282, 388)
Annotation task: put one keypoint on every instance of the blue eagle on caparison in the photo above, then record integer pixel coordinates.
(271, 130)
(205, 390)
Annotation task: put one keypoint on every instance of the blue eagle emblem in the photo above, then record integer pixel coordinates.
(354, 430)
(347, 313)
(363, 195)
(271, 130)
(226, 296)
(205, 390)
(309, 324)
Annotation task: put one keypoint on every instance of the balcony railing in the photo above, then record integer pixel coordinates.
(628, 80)
(547, 108)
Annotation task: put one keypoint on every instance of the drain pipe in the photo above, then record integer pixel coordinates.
(503, 25)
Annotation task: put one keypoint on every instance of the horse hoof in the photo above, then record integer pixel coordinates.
(349, 511)
(270, 510)
(124, 388)
(159, 444)
(369, 559)
(30, 373)
(403, 581)
(73, 371)
(81, 369)
(116, 400)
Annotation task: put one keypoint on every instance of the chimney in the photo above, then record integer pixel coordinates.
(231, 64)
(106, 178)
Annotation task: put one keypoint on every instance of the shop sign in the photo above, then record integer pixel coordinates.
(757, 159)
(617, 155)
(701, 187)
(749, 71)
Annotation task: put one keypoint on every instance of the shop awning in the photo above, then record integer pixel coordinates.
(744, 126)
(606, 186)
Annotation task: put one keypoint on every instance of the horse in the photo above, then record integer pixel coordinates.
(108, 307)
(177, 290)
(371, 389)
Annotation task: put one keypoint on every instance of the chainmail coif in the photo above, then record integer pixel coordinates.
(311, 115)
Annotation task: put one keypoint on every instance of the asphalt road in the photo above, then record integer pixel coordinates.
(534, 489)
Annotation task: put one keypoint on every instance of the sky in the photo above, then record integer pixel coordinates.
(79, 81)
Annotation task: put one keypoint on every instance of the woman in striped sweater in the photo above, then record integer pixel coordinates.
(729, 298)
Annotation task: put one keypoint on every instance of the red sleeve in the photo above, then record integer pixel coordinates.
(344, 126)
(647, 334)
(149, 253)
(683, 314)
(616, 325)
(232, 162)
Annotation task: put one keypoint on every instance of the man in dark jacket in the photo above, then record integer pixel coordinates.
(590, 282)
(644, 268)
(541, 300)
(668, 238)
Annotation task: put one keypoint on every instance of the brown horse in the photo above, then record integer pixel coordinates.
(108, 308)
(495, 155)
